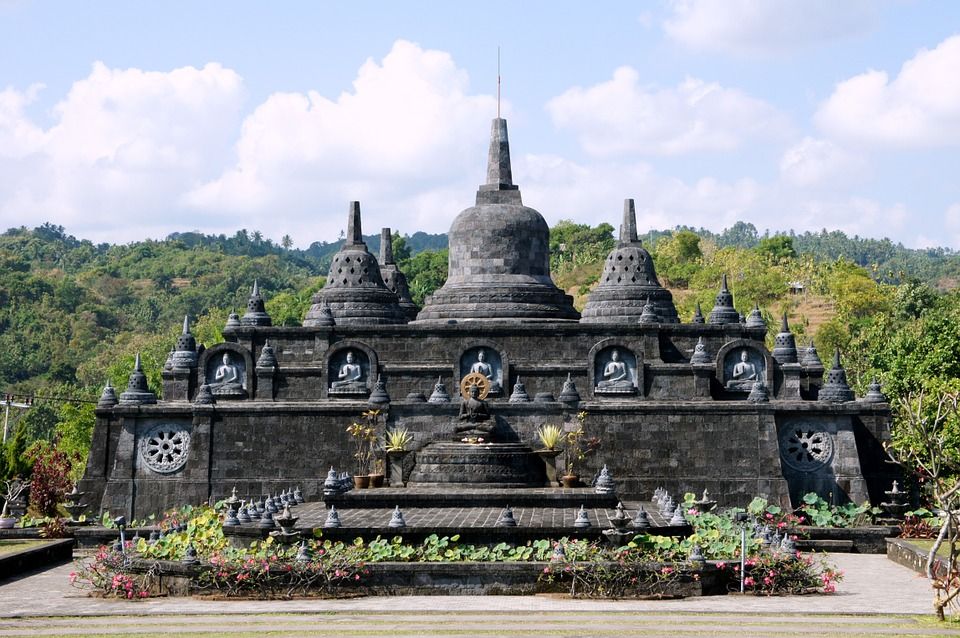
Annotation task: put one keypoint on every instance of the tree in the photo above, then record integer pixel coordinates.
(777, 248)
(927, 439)
(678, 258)
(286, 242)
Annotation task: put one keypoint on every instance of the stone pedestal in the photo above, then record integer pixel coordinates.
(266, 383)
(395, 468)
(702, 374)
(177, 384)
(478, 465)
(549, 458)
(791, 381)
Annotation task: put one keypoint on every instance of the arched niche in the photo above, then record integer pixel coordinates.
(352, 368)
(742, 362)
(629, 362)
(228, 369)
(487, 358)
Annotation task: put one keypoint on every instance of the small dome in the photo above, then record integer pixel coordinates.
(629, 282)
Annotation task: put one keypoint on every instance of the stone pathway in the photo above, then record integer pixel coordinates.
(876, 598)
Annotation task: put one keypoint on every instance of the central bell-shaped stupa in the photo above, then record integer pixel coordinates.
(499, 264)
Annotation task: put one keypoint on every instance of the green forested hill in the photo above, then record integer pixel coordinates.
(73, 313)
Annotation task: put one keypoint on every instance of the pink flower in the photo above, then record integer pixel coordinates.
(749, 582)
(721, 565)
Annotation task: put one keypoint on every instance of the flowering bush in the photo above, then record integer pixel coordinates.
(108, 574)
(778, 573)
(629, 572)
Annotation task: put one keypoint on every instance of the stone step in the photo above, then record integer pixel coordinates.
(471, 496)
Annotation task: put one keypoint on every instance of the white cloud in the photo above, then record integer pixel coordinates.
(593, 193)
(814, 162)
(620, 116)
(123, 143)
(759, 27)
(408, 126)
(918, 108)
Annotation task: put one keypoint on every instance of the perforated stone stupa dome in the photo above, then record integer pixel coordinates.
(354, 292)
(499, 264)
(629, 281)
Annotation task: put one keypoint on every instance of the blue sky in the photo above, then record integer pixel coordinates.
(125, 120)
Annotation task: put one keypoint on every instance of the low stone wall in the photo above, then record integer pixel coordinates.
(870, 539)
(904, 553)
(444, 579)
(52, 552)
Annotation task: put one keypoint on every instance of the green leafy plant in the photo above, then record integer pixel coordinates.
(398, 439)
(822, 514)
(551, 436)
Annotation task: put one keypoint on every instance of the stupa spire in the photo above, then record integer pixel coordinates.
(628, 230)
(386, 247)
(354, 231)
(499, 174)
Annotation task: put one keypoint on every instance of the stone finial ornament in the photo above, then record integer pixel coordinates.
(108, 398)
(698, 315)
(755, 319)
(583, 519)
(506, 518)
(629, 291)
(204, 396)
(810, 358)
(784, 344)
(604, 483)
(184, 354)
(379, 394)
(874, 394)
(233, 322)
(355, 292)
(439, 394)
(835, 388)
(519, 394)
(304, 555)
(268, 358)
(190, 556)
(256, 314)
(266, 519)
(396, 519)
(678, 518)
(569, 393)
(700, 354)
(649, 314)
(393, 277)
(723, 310)
(137, 392)
(641, 519)
(333, 518)
(758, 393)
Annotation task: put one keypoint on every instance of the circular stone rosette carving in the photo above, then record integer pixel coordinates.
(165, 447)
(806, 448)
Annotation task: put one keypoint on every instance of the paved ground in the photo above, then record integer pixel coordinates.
(877, 597)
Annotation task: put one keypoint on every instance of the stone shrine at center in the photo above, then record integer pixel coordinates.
(500, 351)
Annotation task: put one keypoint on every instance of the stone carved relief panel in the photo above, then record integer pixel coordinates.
(615, 371)
(349, 372)
(742, 367)
(227, 376)
(165, 447)
(487, 362)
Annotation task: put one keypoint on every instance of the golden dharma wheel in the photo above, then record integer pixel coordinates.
(477, 379)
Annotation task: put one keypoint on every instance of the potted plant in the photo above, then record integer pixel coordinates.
(576, 447)
(552, 439)
(363, 438)
(377, 475)
(398, 442)
(14, 488)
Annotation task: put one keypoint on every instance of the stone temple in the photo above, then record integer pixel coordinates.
(497, 351)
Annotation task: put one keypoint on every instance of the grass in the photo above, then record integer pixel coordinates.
(925, 544)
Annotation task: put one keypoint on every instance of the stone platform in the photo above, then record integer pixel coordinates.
(363, 516)
(473, 497)
(493, 465)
